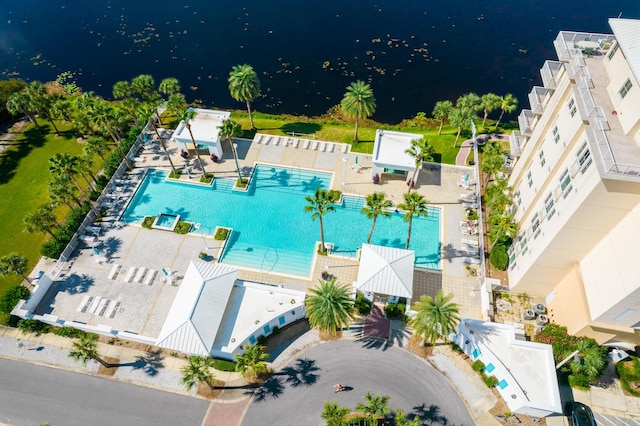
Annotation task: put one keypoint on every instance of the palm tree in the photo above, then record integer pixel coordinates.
(374, 406)
(169, 86)
(61, 192)
(65, 164)
(41, 220)
(198, 370)
(320, 204)
(492, 160)
(508, 104)
(414, 205)
(149, 115)
(358, 102)
(592, 359)
(329, 308)
(489, 102)
(333, 414)
(470, 101)
(251, 364)
(40, 101)
(186, 115)
(401, 419)
(14, 263)
(98, 146)
(435, 317)
(376, 205)
(121, 89)
(502, 224)
(441, 112)
(421, 150)
(460, 118)
(231, 129)
(18, 103)
(143, 85)
(84, 166)
(244, 86)
(85, 348)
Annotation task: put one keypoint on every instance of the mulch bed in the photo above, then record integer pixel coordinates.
(415, 345)
(210, 393)
(109, 371)
(328, 337)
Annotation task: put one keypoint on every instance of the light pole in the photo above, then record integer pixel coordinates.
(344, 176)
(198, 227)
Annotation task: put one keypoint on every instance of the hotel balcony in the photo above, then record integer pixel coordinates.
(551, 73)
(569, 44)
(517, 141)
(539, 98)
(527, 121)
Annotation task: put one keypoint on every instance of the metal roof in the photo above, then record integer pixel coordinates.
(196, 314)
(627, 32)
(386, 270)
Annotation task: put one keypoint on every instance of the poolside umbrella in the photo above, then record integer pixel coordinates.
(96, 251)
(356, 159)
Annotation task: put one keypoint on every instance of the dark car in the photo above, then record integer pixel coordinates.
(581, 415)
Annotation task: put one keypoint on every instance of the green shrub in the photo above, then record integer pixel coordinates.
(241, 183)
(224, 365)
(478, 365)
(276, 330)
(175, 175)
(262, 340)
(490, 381)
(456, 348)
(52, 248)
(30, 325)
(629, 373)
(362, 305)
(221, 234)
(71, 332)
(206, 178)
(182, 227)
(101, 182)
(147, 222)
(472, 215)
(12, 296)
(202, 255)
(499, 257)
(4, 318)
(579, 381)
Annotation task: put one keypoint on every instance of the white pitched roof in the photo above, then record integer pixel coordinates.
(386, 270)
(627, 32)
(196, 314)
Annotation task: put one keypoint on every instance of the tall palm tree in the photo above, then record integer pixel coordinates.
(414, 205)
(402, 420)
(41, 102)
(61, 192)
(198, 370)
(231, 129)
(41, 220)
(441, 112)
(98, 146)
(251, 364)
(85, 348)
(121, 89)
(501, 224)
(469, 101)
(333, 414)
(320, 204)
(329, 308)
(14, 263)
(65, 164)
(374, 406)
(375, 205)
(244, 86)
(489, 102)
(143, 86)
(84, 167)
(435, 317)
(492, 160)
(421, 150)
(358, 102)
(149, 114)
(508, 104)
(460, 118)
(186, 115)
(169, 86)
(18, 103)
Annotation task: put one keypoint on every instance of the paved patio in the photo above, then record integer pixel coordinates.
(87, 290)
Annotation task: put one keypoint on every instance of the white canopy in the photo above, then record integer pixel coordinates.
(389, 150)
(386, 270)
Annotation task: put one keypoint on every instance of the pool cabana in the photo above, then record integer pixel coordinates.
(389, 154)
(205, 128)
(385, 273)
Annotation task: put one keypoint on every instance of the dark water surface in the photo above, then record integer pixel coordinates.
(414, 53)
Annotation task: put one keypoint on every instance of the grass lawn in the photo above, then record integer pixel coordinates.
(24, 174)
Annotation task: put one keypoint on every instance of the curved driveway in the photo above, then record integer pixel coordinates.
(296, 394)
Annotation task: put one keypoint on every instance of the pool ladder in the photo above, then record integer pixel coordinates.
(270, 258)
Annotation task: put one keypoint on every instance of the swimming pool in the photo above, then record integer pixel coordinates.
(271, 232)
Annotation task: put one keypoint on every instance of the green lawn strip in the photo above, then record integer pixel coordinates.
(24, 177)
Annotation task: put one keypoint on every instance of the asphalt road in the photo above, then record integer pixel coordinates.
(33, 394)
(296, 395)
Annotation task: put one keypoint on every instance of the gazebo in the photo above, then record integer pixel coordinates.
(204, 127)
(385, 273)
(389, 154)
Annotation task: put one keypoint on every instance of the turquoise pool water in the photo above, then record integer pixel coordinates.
(166, 220)
(271, 232)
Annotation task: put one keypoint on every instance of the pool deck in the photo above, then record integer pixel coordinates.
(143, 305)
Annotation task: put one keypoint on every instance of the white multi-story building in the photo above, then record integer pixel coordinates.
(576, 185)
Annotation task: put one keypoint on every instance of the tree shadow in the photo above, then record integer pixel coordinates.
(272, 387)
(429, 414)
(111, 245)
(301, 128)
(20, 149)
(302, 373)
(150, 363)
(76, 284)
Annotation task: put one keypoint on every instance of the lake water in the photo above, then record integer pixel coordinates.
(306, 52)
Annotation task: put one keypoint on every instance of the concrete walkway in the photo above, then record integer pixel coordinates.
(467, 146)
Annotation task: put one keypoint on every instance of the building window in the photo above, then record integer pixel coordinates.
(565, 183)
(614, 49)
(529, 179)
(572, 107)
(625, 88)
(541, 157)
(517, 197)
(556, 134)
(549, 206)
(535, 226)
(584, 158)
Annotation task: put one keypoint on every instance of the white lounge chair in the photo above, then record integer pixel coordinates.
(332, 146)
(94, 305)
(267, 140)
(276, 141)
(83, 304)
(114, 271)
(87, 238)
(140, 275)
(297, 143)
(345, 147)
(94, 229)
(121, 181)
(258, 139)
(306, 143)
(130, 274)
(148, 280)
(323, 147)
(315, 145)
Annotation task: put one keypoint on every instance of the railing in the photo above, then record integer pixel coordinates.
(525, 122)
(538, 99)
(551, 73)
(569, 44)
(516, 142)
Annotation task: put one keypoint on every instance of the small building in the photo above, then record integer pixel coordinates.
(390, 156)
(525, 370)
(216, 314)
(205, 128)
(385, 273)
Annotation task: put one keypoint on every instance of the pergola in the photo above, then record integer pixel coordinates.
(205, 128)
(389, 153)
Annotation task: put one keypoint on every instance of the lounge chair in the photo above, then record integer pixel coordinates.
(332, 146)
(306, 143)
(114, 271)
(94, 229)
(315, 145)
(130, 274)
(87, 238)
(276, 141)
(102, 309)
(323, 147)
(345, 147)
(267, 140)
(148, 280)
(297, 143)
(94, 305)
(140, 275)
(83, 304)
(258, 139)
(121, 181)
